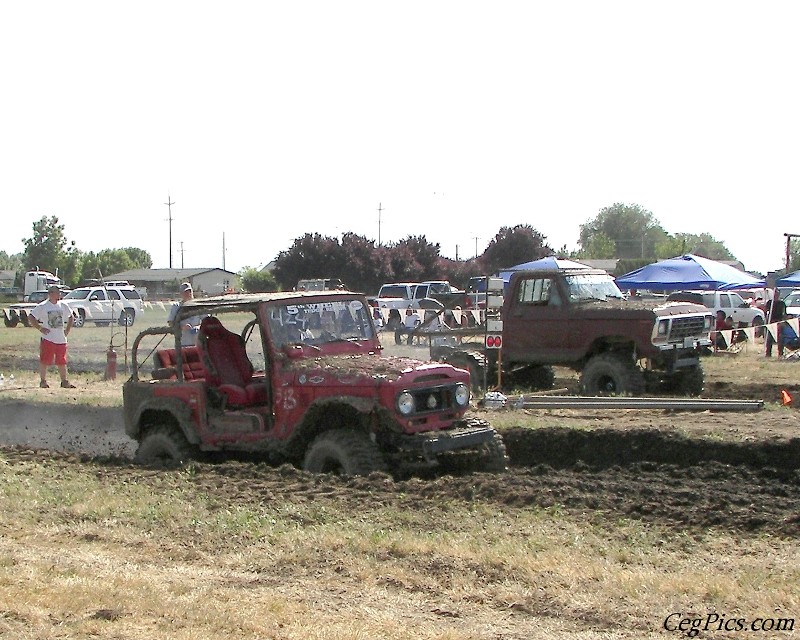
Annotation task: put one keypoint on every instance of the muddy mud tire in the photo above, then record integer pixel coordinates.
(79, 318)
(11, 319)
(690, 382)
(491, 457)
(537, 377)
(344, 452)
(472, 361)
(607, 374)
(164, 446)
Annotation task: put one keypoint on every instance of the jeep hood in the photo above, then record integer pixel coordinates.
(367, 366)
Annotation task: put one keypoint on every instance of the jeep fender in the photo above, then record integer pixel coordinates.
(331, 413)
(160, 410)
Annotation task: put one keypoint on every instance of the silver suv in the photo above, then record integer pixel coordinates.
(103, 305)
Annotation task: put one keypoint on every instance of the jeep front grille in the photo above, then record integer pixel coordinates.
(432, 399)
(688, 327)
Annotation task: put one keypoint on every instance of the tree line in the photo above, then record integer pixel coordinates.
(627, 232)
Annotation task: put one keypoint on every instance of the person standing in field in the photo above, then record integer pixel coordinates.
(189, 326)
(53, 319)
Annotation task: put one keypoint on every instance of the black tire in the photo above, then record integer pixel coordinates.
(23, 318)
(690, 381)
(164, 445)
(79, 318)
(127, 318)
(344, 452)
(11, 319)
(490, 457)
(607, 374)
(537, 377)
(472, 361)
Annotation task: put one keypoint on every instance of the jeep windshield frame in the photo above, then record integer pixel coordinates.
(320, 323)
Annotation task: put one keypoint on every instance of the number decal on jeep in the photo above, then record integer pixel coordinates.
(287, 399)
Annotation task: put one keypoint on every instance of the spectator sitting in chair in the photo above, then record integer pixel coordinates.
(410, 323)
(722, 323)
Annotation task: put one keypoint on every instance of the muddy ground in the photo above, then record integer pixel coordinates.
(738, 471)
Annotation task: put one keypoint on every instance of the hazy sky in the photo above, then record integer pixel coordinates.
(264, 121)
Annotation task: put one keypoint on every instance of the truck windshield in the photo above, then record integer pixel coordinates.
(592, 287)
(320, 323)
(393, 291)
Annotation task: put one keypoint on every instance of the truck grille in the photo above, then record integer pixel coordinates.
(691, 327)
(432, 399)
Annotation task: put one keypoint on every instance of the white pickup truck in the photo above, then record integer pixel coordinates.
(730, 302)
(398, 296)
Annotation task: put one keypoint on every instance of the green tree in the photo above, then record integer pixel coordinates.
(11, 262)
(310, 256)
(514, 245)
(599, 246)
(48, 246)
(634, 231)
(257, 281)
(704, 245)
(109, 261)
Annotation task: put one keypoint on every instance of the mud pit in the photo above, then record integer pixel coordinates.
(690, 471)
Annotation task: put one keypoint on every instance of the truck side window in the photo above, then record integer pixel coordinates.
(538, 291)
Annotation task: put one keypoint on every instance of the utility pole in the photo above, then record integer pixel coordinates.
(181, 254)
(380, 208)
(789, 237)
(476, 238)
(169, 204)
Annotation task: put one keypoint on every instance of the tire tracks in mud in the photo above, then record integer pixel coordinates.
(650, 475)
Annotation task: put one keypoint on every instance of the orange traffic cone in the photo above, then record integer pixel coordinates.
(786, 398)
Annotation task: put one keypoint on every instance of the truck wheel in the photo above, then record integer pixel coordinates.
(79, 318)
(689, 382)
(127, 317)
(609, 375)
(11, 320)
(164, 445)
(491, 457)
(472, 361)
(535, 377)
(343, 452)
(23, 318)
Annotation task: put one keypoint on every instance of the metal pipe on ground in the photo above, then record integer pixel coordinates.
(673, 404)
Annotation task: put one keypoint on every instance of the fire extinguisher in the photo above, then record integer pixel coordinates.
(111, 363)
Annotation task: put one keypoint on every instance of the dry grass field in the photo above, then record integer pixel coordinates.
(610, 524)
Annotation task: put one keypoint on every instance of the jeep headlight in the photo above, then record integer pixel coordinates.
(663, 327)
(708, 324)
(405, 403)
(462, 395)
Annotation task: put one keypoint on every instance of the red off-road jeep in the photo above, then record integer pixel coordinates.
(299, 377)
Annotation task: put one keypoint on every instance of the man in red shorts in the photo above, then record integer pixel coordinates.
(53, 319)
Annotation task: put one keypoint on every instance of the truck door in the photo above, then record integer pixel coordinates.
(98, 308)
(534, 326)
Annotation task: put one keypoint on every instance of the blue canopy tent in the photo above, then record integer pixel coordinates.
(688, 272)
(549, 262)
(789, 280)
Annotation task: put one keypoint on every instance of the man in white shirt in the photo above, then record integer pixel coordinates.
(189, 326)
(53, 319)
